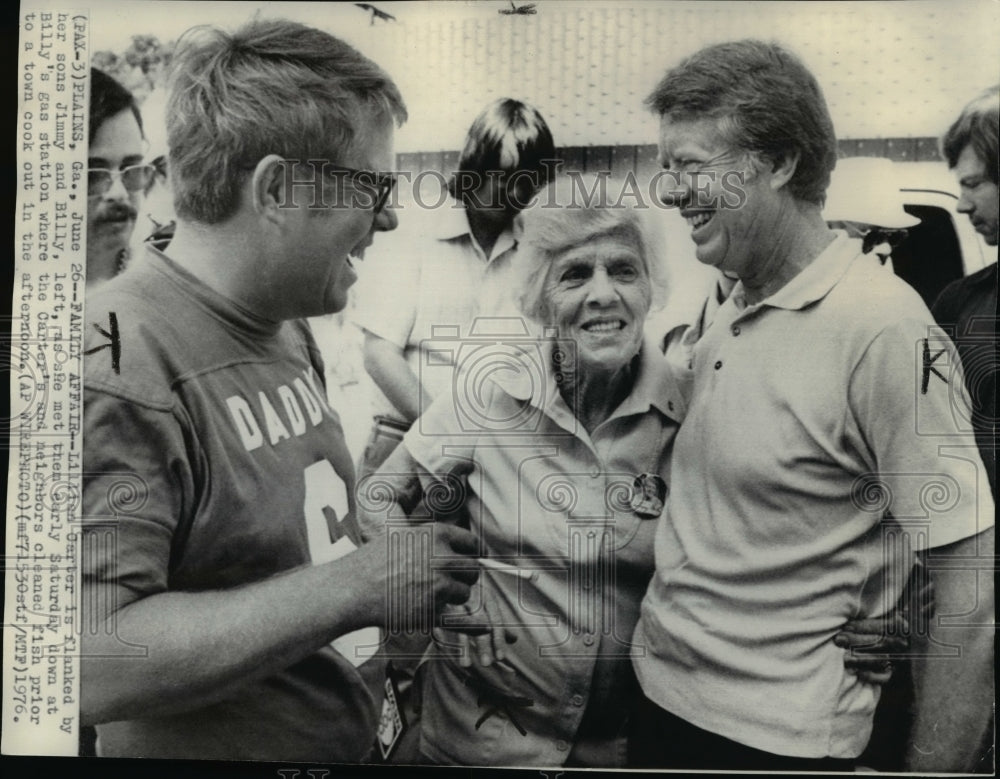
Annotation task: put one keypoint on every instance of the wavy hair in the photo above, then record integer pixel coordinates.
(559, 219)
(979, 126)
(108, 98)
(270, 87)
(507, 137)
(763, 100)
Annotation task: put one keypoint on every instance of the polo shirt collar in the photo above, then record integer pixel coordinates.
(453, 223)
(814, 281)
(655, 386)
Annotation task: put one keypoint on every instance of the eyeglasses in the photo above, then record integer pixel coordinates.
(878, 235)
(378, 186)
(135, 178)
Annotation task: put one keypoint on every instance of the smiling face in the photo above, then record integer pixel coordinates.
(599, 295)
(728, 203)
(978, 197)
(111, 216)
(322, 242)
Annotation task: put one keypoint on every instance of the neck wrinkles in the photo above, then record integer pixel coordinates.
(795, 246)
(593, 395)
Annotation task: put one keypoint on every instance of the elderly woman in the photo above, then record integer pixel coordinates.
(558, 449)
(561, 461)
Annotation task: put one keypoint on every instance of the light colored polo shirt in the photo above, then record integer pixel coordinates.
(548, 497)
(775, 534)
(427, 281)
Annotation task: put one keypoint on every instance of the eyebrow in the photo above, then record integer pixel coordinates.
(101, 162)
(685, 155)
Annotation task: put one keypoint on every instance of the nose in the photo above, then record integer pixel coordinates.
(117, 189)
(673, 188)
(600, 289)
(386, 219)
(964, 205)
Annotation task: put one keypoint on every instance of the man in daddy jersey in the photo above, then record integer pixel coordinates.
(231, 613)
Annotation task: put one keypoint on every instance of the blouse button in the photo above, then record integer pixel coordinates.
(736, 329)
(718, 365)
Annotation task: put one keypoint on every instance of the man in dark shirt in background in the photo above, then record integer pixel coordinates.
(968, 307)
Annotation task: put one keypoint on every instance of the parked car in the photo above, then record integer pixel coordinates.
(942, 247)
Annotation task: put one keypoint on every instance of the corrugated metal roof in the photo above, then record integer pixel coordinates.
(888, 69)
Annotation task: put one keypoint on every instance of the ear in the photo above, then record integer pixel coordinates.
(270, 188)
(783, 168)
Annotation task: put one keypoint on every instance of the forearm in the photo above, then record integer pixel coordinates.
(954, 682)
(388, 368)
(201, 646)
(954, 699)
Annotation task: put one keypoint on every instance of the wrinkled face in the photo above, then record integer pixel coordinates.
(599, 295)
(729, 206)
(111, 216)
(978, 196)
(322, 243)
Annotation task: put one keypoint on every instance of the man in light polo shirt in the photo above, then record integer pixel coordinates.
(821, 447)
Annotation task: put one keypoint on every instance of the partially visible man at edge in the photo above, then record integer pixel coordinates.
(234, 611)
(969, 306)
(117, 177)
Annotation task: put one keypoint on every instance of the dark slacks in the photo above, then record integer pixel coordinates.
(659, 739)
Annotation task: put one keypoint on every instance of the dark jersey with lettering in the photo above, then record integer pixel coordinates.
(212, 460)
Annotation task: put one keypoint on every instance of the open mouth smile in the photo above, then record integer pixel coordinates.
(698, 219)
(603, 326)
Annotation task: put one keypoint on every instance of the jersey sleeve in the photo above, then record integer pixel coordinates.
(137, 488)
(909, 401)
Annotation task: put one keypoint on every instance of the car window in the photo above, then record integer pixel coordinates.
(930, 258)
